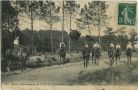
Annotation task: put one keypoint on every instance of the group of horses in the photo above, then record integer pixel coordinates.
(114, 53)
(21, 54)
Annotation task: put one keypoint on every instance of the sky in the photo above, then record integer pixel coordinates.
(24, 21)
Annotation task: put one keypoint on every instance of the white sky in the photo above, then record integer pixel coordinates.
(24, 21)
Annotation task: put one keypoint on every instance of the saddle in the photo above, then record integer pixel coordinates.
(111, 52)
(17, 51)
(86, 52)
(62, 51)
(129, 52)
(97, 51)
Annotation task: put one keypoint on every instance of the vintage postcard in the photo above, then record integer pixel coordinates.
(69, 44)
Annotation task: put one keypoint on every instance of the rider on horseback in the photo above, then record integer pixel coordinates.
(17, 54)
(86, 54)
(17, 47)
(96, 49)
(117, 52)
(111, 52)
(129, 52)
(62, 51)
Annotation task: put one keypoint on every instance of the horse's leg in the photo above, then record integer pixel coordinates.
(60, 60)
(97, 61)
(119, 57)
(94, 59)
(127, 59)
(63, 60)
(84, 63)
(110, 60)
(116, 59)
(8, 66)
(130, 58)
(8, 69)
(87, 60)
(22, 66)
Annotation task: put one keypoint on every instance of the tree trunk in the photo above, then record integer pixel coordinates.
(63, 23)
(32, 28)
(91, 40)
(99, 40)
(51, 37)
(51, 31)
(42, 44)
(69, 37)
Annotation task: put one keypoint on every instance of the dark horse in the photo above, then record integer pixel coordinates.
(117, 54)
(129, 54)
(96, 55)
(111, 53)
(17, 54)
(62, 53)
(86, 54)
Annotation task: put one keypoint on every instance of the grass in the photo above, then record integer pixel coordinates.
(124, 74)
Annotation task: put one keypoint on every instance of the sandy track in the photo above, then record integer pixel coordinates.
(56, 74)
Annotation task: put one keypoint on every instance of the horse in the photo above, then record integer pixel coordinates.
(86, 54)
(96, 53)
(129, 53)
(62, 53)
(117, 53)
(111, 54)
(17, 54)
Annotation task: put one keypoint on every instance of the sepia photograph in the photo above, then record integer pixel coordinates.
(69, 43)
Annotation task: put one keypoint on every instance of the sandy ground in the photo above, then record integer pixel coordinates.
(56, 74)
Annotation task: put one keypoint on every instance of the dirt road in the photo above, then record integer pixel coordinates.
(56, 74)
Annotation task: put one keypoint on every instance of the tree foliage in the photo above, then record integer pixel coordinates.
(9, 24)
